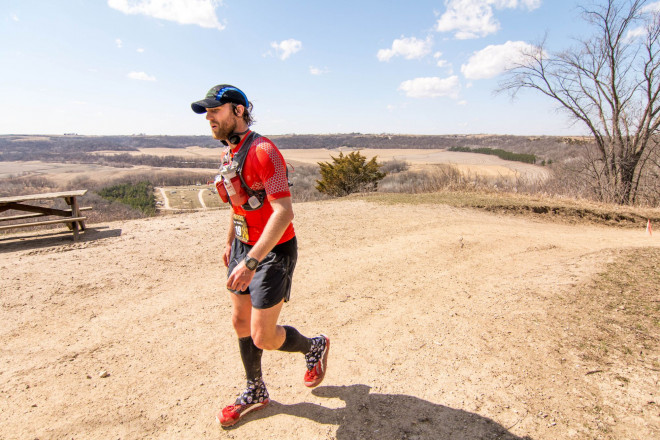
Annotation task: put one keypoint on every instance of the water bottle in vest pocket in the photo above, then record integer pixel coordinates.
(232, 181)
(220, 186)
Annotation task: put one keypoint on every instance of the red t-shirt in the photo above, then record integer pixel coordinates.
(264, 168)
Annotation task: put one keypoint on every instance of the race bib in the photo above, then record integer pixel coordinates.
(241, 228)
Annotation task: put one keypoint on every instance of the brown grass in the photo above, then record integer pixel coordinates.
(624, 307)
(560, 209)
(610, 326)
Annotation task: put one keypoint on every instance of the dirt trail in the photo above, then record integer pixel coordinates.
(200, 196)
(439, 320)
(166, 200)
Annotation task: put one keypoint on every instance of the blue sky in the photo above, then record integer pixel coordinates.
(99, 67)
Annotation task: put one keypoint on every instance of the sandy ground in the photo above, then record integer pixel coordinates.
(442, 321)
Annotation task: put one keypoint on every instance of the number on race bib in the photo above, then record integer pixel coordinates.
(241, 228)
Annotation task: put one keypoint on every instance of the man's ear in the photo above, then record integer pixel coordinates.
(238, 110)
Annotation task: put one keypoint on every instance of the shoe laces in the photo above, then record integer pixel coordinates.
(231, 408)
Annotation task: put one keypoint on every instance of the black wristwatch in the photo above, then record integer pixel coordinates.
(251, 263)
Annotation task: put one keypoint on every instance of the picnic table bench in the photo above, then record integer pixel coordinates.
(30, 203)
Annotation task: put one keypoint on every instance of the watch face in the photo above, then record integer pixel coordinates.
(251, 263)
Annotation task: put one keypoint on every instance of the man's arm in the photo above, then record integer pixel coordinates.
(231, 233)
(277, 223)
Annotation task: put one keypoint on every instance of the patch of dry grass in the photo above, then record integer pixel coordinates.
(561, 209)
(623, 305)
(183, 197)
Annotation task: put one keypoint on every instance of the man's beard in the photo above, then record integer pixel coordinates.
(224, 129)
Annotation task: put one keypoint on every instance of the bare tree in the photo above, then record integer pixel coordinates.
(609, 83)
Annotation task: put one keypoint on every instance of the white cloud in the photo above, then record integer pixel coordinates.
(119, 43)
(140, 50)
(493, 60)
(440, 62)
(141, 76)
(652, 7)
(432, 87)
(197, 12)
(14, 17)
(642, 31)
(475, 18)
(409, 48)
(529, 4)
(286, 48)
(635, 33)
(469, 19)
(317, 71)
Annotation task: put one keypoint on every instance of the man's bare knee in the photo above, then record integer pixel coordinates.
(266, 341)
(241, 314)
(241, 324)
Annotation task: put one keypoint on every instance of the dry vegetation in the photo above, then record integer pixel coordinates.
(624, 304)
(187, 198)
(556, 196)
(17, 147)
(103, 210)
(565, 210)
(419, 175)
(611, 324)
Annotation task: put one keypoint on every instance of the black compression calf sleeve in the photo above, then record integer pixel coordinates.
(251, 357)
(295, 341)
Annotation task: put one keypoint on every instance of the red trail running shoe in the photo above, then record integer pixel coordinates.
(317, 361)
(230, 415)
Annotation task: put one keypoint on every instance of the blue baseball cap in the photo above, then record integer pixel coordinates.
(219, 95)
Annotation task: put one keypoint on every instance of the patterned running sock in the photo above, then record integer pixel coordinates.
(295, 342)
(315, 352)
(255, 392)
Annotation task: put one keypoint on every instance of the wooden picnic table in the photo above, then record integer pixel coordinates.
(30, 203)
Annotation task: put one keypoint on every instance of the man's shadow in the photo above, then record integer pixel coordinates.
(390, 416)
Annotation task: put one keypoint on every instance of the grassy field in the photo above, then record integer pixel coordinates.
(187, 198)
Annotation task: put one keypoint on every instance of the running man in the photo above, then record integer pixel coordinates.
(261, 249)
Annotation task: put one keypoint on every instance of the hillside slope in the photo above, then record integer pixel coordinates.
(444, 322)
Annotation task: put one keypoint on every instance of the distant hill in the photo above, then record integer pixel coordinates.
(74, 147)
(546, 147)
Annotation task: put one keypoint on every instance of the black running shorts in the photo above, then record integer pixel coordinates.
(272, 280)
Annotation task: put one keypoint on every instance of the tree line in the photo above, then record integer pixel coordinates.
(502, 154)
(81, 148)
